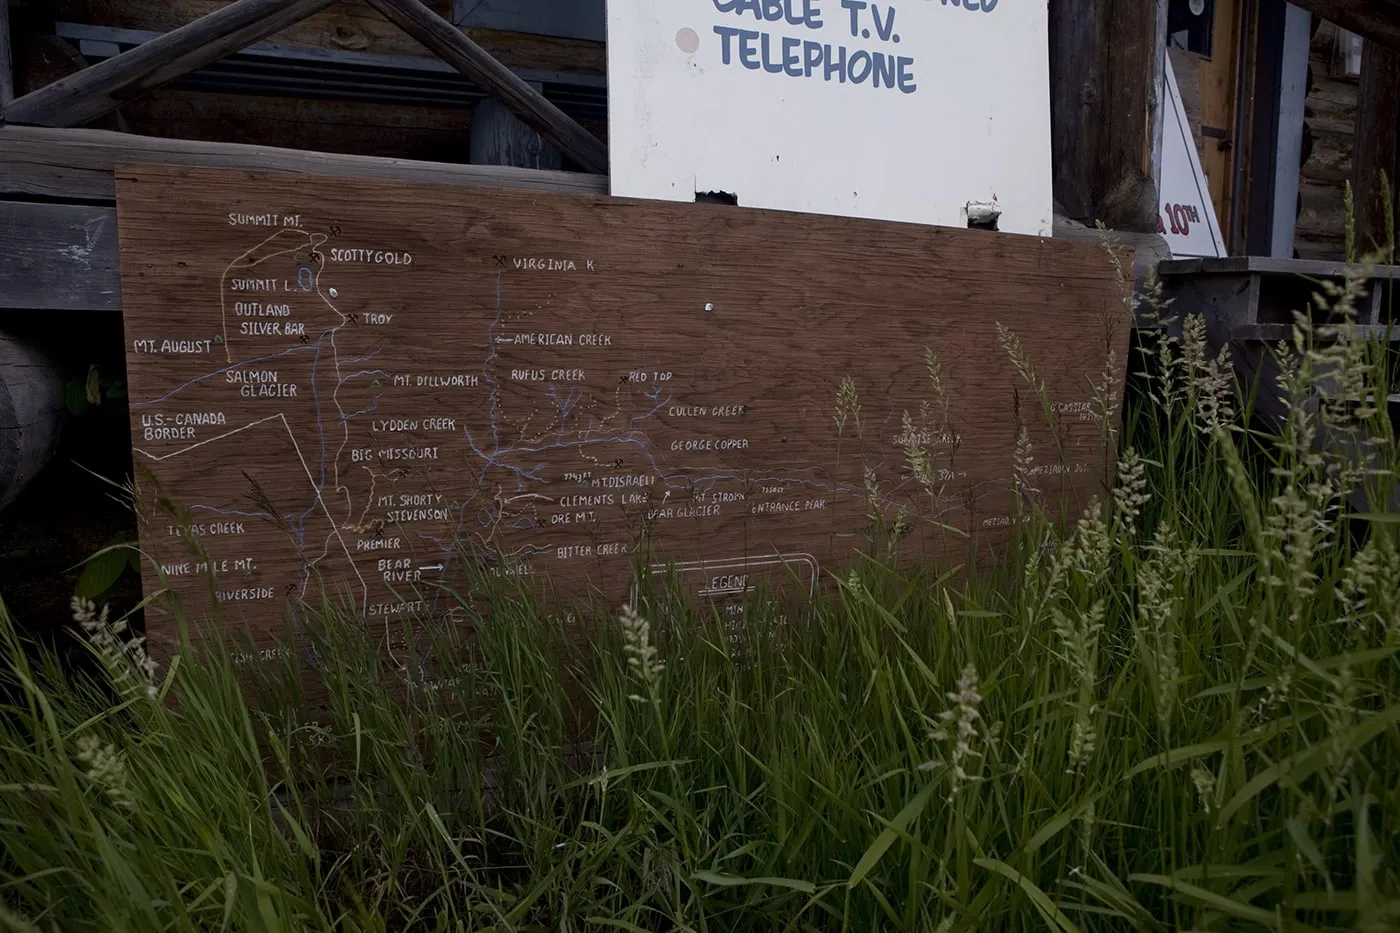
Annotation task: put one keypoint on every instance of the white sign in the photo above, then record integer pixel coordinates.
(925, 111)
(1187, 218)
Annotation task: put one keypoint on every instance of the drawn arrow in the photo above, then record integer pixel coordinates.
(528, 495)
(437, 567)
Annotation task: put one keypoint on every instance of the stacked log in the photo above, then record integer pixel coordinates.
(31, 414)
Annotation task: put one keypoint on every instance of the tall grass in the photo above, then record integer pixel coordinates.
(1181, 712)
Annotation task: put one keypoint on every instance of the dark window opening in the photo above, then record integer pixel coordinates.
(1191, 25)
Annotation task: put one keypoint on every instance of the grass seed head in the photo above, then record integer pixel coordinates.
(642, 655)
(1130, 494)
(127, 662)
(847, 406)
(1203, 779)
(959, 728)
(105, 767)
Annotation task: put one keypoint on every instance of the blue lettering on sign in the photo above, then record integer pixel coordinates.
(831, 63)
(760, 50)
(793, 12)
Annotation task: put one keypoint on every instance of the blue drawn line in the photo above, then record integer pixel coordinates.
(362, 411)
(368, 356)
(238, 512)
(363, 372)
(565, 405)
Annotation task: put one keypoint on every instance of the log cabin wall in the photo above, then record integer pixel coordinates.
(47, 48)
(1328, 133)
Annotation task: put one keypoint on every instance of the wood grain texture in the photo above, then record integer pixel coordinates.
(100, 89)
(452, 46)
(1187, 68)
(42, 58)
(79, 164)
(1376, 20)
(1219, 101)
(1299, 269)
(498, 137)
(1330, 114)
(365, 128)
(552, 380)
(58, 257)
(31, 414)
(7, 60)
(351, 25)
(1377, 150)
(1105, 56)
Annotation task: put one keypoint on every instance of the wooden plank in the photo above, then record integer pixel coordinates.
(1252, 227)
(1135, 45)
(1235, 265)
(352, 127)
(1376, 20)
(1274, 333)
(58, 257)
(1157, 99)
(7, 60)
(498, 137)
(1147, 249)
(1330, 131)
(78, 164)
(98, 90)
(577, 19)
(1076, 65)
(31, 413)
(351, 25)
(1377, 148)
(1106, 57)
(1219, 101)
(443, 39)
(537, 382)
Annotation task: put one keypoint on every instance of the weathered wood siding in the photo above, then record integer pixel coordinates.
(1186, 66)
(430, 133)
(351, 25)
(435, 134)
(1327, 151)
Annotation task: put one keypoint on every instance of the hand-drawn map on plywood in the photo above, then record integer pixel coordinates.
(366, 384)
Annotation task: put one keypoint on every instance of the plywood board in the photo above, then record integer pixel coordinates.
(372, 385)
(896, 111)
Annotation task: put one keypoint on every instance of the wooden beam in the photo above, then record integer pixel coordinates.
(1074, 91)
(1157, 101)
(98, 90)
(352, 25)
(1105, 56)
(576, 19)
(1147, 249)
(58, 257)
(1377, 146)
(498, 137)
(1375, 20)
(1260, 147)
(77, 164)
(444, 40)
(1221, 78)
(7, 58)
